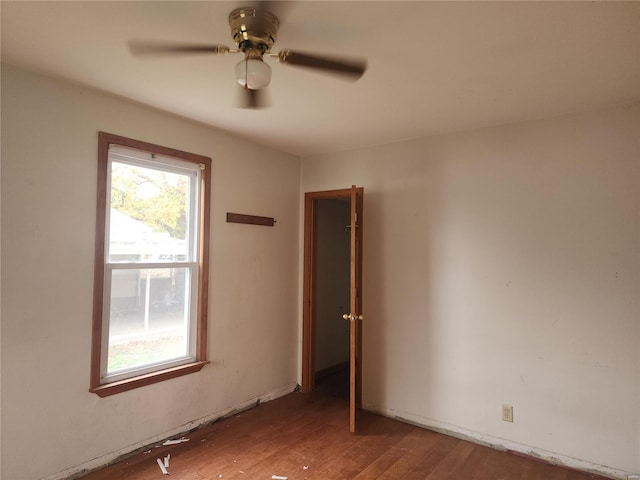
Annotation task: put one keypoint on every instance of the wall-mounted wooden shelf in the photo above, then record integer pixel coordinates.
(250, 219)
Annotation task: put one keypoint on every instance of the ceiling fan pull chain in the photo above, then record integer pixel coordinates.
(246, 73)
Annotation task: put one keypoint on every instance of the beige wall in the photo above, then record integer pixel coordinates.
(51, 424)
(502, 266)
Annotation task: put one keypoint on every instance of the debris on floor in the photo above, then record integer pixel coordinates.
(162, 467)
(175, 442)
(164, 464)
(278, 477)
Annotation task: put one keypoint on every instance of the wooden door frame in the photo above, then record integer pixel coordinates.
(309, 271)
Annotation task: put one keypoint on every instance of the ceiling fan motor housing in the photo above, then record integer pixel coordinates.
(253, 29)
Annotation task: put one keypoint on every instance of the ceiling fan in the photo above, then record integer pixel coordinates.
(254, 31)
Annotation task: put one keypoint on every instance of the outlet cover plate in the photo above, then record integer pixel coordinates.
(507, 413)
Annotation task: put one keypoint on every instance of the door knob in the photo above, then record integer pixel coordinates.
(348, 316)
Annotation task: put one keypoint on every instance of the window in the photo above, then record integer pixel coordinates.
(151, 267)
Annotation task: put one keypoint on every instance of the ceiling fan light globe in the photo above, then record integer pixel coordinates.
(253, 72)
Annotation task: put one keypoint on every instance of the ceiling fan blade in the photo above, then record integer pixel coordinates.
(352, 68)
(146, 48)
(252, 99)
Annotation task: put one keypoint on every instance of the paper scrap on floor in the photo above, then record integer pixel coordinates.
(175, 442)
(162, 468)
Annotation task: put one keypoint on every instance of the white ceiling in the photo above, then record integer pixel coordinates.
(433, 67)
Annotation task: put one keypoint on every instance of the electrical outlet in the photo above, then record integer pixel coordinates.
(507, 413)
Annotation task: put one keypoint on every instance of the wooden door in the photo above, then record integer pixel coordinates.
(355, 316)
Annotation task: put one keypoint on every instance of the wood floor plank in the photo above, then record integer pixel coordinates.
(575, 475)
(498, 465)
(451, 466)
(541, 471)
(305, 437)
(421, 452)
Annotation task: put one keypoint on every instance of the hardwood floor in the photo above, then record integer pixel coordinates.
(305, 437)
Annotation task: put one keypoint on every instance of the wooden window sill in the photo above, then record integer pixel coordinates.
(150, 378)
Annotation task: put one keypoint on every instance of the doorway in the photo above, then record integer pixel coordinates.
(324, 226)
(332, 276)
(331, 296)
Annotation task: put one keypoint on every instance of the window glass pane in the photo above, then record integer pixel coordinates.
(149, 317)
(149, 214)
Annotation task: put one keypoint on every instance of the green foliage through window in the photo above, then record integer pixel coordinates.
(158, 199)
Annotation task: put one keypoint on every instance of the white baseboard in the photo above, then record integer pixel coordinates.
(109, 458)
(501, 443)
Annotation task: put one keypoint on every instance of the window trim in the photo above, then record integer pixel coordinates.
(112, 388)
